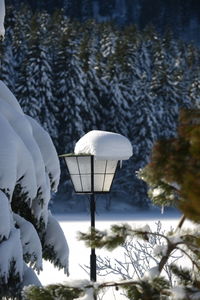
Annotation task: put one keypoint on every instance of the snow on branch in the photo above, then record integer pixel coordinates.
(11, 257)
(30, 278)
(12, 165)
(27, 156)
(48, 152)
(175, 240)
(55, 246)
(31, 245)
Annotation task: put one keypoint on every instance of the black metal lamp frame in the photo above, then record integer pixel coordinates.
(92, 193)
(93, 264)
(92, 174)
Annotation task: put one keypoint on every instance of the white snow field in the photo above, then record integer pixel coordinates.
(79, 254)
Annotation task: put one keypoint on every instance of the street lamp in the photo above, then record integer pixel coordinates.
(90, 176)
(92, 169)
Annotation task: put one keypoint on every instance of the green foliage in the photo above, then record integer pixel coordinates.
(173, 173)
(184, 275)
(49, 254)
(10, 289)
(114, 238)
(52, 292)
(156, 289)
(155, 286)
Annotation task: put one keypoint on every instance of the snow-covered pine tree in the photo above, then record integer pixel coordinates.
(167, 87)
(111, 98)
(69, 82)
(29, 170)
(18, 30)
(57, 24)
(143, 126)
(88, 53)
(7, 67)
(8, 64)
(35, 84)
(191, 59)
(194, 89)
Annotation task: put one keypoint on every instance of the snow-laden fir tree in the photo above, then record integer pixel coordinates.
(8, 65)
(116, 108)
(194, 89)
(18, 30)
(70, 80)
(143, 125)
(35, 83)
(107, 39)
(112, 99)
(87, 54)
(167, 88)
(29, 170)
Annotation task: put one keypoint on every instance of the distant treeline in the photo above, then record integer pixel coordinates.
(74, 77)
(181, 16)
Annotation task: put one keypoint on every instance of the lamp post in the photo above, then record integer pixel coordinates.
(91, 176)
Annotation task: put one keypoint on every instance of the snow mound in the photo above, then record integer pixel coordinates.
(104, 145)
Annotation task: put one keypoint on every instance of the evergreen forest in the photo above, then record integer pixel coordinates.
(74, 77)
(182, 16)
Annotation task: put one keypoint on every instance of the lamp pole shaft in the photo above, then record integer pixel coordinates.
(93, 275)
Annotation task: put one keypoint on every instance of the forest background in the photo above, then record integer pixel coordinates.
(75, 69)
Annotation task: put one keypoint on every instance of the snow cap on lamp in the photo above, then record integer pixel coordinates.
(104, 145)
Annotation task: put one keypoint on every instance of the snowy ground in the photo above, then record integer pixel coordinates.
(79, 254)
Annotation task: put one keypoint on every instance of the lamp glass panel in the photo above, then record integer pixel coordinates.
(111, 166)
(98, 182)
(84, 164)
(72, 165)
(108, 182)
(99, 166)
(77, 183)
(86, 182)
